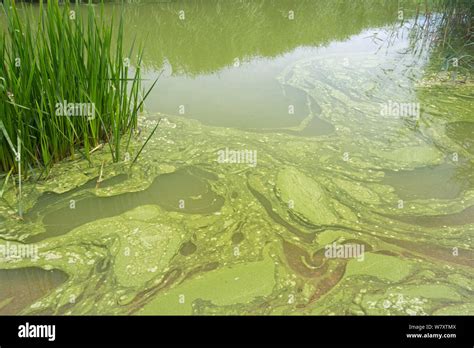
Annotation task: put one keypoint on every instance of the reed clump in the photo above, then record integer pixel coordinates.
(66, 85)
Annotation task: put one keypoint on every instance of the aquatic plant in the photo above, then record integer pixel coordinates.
(66, 85)
(445, 27)
(456, 36)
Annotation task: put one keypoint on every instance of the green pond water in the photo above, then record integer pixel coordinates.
(193, 228)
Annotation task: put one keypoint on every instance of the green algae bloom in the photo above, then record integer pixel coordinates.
(181, 232)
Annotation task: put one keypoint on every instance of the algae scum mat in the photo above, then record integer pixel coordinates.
(282, 179)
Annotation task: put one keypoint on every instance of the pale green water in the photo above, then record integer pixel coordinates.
(183, 233)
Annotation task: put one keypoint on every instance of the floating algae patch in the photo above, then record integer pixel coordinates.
(21, 287)
(237, 284)
(412, 299)
(381, 266)
(458, 309)
(356, 190)
(267, 205)
(413, 156)
(305, 195)
(432, 291)
(185, 190)
(146, 248)
(110, 261)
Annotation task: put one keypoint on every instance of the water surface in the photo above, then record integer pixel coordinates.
(305, 94)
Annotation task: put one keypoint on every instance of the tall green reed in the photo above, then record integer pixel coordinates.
(445, 28)
(61, 57)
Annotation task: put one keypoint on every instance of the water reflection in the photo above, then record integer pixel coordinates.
(221, 59)
(214, 33)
